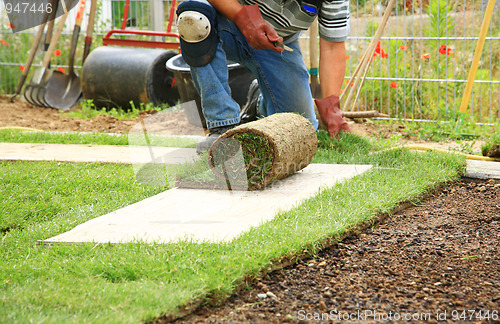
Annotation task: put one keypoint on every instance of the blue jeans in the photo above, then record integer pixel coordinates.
(283, 79)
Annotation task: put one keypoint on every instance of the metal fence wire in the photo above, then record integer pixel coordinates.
(418, 72)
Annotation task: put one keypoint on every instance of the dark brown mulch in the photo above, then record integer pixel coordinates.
(439, 260)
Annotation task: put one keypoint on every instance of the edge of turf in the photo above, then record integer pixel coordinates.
(215, 298)
(325, 219)
(9, 135)
(280, 263)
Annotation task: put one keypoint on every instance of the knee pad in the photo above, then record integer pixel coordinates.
(196, 23)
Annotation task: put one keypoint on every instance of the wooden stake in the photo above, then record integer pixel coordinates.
(366, 59)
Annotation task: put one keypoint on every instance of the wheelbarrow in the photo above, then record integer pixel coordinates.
(239, 82)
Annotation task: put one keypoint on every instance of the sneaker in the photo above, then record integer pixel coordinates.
(203, 145)
(249, 111)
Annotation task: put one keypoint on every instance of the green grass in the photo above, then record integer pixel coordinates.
(89, 110)
(17, 136)
(443, 131)
(131, 283)
(491, 144)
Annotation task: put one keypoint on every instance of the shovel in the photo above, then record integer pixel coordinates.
(313, 47)
(90, 30)
(35, 90)
(64, 90)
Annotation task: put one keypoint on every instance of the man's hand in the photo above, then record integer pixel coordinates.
(259, 33)
(332, 116)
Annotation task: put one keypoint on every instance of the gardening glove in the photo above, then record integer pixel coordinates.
(332, 116)
(259, 33)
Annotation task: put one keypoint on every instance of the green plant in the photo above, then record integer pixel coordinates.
(415, 78)
(257, 156)
(88, 110)
(492, 146)
(466, 147)
(441, 23)
(13, 49)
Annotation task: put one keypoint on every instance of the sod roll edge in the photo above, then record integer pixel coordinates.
(273, 148)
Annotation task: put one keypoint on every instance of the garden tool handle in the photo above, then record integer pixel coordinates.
(477, 56)
(34, 46)
(367, 57)
(313, 47)
(90, 29)
(76, 33)
(54, 39)
(171, 16)
(50, 28)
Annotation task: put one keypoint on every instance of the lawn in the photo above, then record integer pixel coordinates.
(18, 136)
(137, 282)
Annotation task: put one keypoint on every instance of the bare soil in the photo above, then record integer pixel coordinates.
(22, 114)
(439, 260)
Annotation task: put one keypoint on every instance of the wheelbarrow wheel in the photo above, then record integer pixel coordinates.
(164, 80)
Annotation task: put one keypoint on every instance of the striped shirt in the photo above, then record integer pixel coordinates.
(290, 17)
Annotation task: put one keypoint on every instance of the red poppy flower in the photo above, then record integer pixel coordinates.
(22, 67)
(394, 85)
(403, 47)
(11, 26)
(61, 69)
(347, 57)
(57, 52)
(4, 42)
(445, 50)
(380, 51)
(375, 99)
(426, 55)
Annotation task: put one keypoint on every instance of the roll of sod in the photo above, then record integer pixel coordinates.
(271, 148)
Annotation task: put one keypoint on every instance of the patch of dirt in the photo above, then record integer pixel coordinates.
(439, 260)
(23, 114)
(494, 151)
(369, 129)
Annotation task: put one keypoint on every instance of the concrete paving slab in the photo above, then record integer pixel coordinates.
(95, 153)
(482, 169)
(206, 215)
